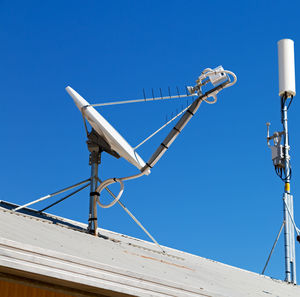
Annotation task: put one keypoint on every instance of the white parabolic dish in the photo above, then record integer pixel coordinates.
(107, 131)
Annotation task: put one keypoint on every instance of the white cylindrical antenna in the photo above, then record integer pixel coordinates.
(286, 67)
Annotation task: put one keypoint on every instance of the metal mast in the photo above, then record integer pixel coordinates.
(281, 157)
(288, 209)
(95, 150)
(287, 90)
(280, 153)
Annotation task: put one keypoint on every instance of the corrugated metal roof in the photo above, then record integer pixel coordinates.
(62, 249)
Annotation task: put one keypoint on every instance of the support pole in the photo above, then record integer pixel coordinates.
(289, 234)
(95, 158)
(93, 220)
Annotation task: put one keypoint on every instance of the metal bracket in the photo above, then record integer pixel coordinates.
(97, 144)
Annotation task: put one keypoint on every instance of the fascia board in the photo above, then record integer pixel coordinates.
(81, 271)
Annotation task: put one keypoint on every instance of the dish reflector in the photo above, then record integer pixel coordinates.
(107, 131)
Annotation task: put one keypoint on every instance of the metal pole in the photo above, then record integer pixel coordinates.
(289, 236)
(93, 223)
(273, 247)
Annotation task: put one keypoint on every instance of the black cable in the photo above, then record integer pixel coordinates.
(279, 173)
(290, 175)
(282, 102)
(279, 170)
(290, 102)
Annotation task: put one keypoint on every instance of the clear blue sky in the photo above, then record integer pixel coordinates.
(215, 193)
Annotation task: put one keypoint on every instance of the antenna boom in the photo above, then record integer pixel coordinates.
(143, 100)
(181, 124)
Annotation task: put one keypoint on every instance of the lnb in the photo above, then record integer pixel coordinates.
(217, 76)
(214, 76)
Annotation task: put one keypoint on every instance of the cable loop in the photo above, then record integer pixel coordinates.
(104, 185)
(120, 180)
(211, 101)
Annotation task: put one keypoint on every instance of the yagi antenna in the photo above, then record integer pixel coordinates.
(105, 138)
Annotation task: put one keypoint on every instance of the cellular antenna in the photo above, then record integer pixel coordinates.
(281, 157)
(103, 137)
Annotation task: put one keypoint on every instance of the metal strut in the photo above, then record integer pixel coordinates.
(52, 195)
(273, 247)
(133, 217)
(186, 117)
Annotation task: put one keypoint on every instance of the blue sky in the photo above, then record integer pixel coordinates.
(214, 193)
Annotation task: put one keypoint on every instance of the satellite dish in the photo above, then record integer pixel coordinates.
(110, 135)
(104, 137)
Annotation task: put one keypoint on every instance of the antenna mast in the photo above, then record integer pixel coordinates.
(280, 153)
(287, 90)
